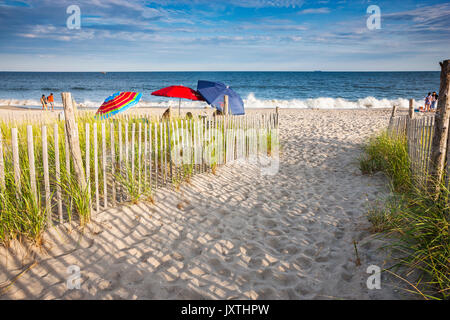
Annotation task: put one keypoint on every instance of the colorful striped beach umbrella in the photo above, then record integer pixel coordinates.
(180, 92)
(118, 102)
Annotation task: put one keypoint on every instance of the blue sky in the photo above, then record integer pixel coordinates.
(209, 35)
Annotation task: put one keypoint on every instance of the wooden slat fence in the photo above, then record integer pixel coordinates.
(124, 158)
(419, 136)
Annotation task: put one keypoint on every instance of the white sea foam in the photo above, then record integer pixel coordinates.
(326, 103)
(250, 102)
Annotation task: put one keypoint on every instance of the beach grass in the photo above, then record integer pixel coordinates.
(385, 154)
(417, 220)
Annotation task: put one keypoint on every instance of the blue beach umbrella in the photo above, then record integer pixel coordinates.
(213, 92)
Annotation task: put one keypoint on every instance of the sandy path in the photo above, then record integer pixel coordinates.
(237, 234)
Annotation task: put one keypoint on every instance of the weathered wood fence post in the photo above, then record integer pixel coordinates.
(439, 144)
(31, 162)
(73, 138)
(48, 206)
(225, 105)
(394, 109)
(410, 116)
(15, 152)
(2, 164)
(411, 108)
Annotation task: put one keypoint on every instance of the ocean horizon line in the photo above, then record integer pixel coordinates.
(223, 71)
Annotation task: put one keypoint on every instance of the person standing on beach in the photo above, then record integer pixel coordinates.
(428, 102)
(434, 99)
(51, 100)
(44, 102)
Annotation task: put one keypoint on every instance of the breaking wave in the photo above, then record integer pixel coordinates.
(250, 102)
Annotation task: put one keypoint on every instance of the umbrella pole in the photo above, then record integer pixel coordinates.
(179, 108)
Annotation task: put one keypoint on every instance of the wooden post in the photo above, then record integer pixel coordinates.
(217, 142)
(277, 111)
(156, 155)
(139, 155)
(203, 142)
(411, 108)
(164, 137)
(200, 146)
(226, 134)
(88, 159)
(120, 161)
(113, 164)
(394, 109)
(46, 174)
(439, 144)
(133, 156)
(74, 103)
(195, 144)
(97, 201)
(15, 152)
(67, 152)
(58, 172)
(169, 151)
(73, 139)
(31, 161)
(161, 150)
(105, 181)
(176, 138)
(225, 105)
(127, 166)
(209, 121)
(2, 163)
(183, 152)
(150, 160)
(145, 155)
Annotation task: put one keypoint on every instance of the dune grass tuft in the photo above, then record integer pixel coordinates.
(388, 155)
(419, 221)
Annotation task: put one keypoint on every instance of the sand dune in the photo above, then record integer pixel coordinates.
(234, 235)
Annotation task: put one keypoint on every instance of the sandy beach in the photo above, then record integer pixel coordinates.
(234, 235)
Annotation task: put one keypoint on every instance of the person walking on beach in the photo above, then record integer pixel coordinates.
(428, 102)
(434, 100)
(44, 102)
(51, 100)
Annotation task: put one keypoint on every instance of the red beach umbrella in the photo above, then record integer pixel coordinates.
(180, 92)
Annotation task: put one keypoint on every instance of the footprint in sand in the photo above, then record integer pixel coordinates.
(178, 256)
(270, 223)
(285, 280)
(346, 275)
(266, 293)
(339, 234)
(290, 250)
(224, 272)
(274, 233)
(264, 274)
(304, 262)
(274, 243)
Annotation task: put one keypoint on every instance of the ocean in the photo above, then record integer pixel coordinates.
(327, 90)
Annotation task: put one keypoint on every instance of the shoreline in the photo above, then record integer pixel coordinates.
(8, 113)
(175, 108)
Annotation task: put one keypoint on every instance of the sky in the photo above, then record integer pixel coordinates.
(233, 35)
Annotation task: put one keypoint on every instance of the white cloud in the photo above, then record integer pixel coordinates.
(315, 11)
